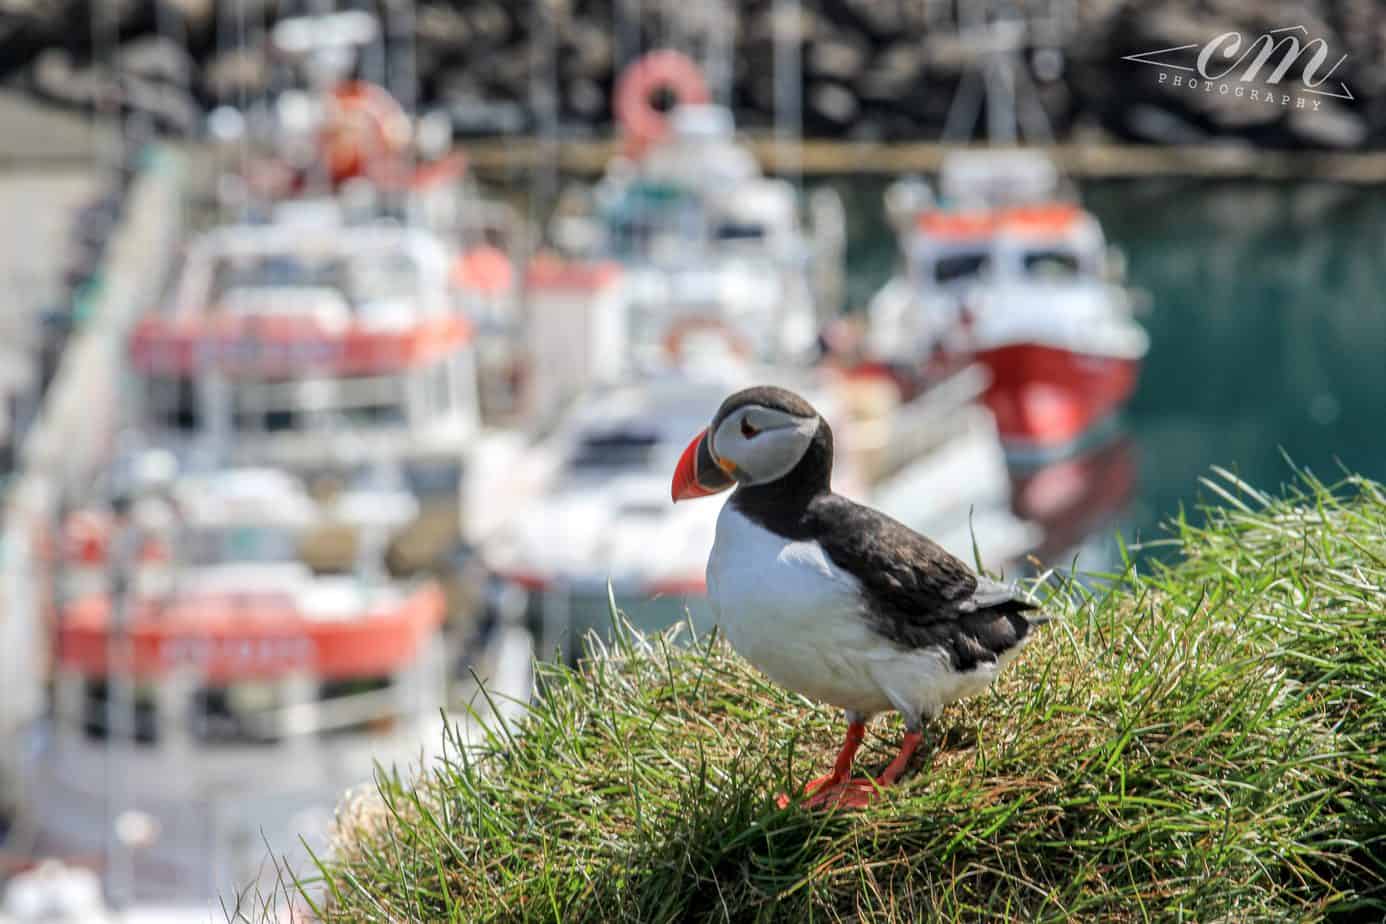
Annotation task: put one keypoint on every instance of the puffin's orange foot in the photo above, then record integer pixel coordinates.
(811, 788)
(851, 794)
(829, 792)
(842, 768)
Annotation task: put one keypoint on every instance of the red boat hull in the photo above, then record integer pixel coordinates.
(1046, 397)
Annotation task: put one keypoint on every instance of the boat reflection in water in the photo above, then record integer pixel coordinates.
(1079, 502)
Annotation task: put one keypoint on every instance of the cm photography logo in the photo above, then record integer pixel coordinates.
(1255, 71)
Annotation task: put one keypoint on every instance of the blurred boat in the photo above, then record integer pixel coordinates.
(330, 142)
(339, 353)
(689, 234)
(310, 346)
(218, 691)
(1000, 268)
(586, 500)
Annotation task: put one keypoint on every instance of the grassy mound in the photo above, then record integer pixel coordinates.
(1201, 743)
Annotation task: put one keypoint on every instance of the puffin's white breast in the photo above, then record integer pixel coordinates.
(790, 611)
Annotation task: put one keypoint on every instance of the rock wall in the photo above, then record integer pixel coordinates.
(872, 69)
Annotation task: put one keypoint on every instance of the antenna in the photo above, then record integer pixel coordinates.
(994, 35)
(789, 76)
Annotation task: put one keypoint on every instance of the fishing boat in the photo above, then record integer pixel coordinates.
(222, 695)
(310, 346)
(333, 143)
(1002, 268)
(697, 233)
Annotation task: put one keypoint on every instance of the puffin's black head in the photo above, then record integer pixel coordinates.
(758, 436)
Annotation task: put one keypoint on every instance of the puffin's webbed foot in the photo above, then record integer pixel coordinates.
(837, 790)
(892, 773)
(817, 789)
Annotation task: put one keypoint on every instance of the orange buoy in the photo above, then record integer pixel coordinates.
(700, 326)
(364, 129)
(670, 71)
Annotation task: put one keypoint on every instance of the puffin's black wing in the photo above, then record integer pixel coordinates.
(916, 594)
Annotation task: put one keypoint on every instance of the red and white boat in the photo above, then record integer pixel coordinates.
(230, 693)
(312, 347)
(1003, 270)
(348, 149)
(228, 689)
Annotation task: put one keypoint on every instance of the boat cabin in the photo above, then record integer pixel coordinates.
(309, 346)
(951, 251)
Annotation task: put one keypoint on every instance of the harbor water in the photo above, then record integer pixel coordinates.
(1267, 324)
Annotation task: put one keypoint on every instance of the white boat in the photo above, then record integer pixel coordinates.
(225, 699)
(333, 144)
(688, 235)
(1002, 268)
(587, 501)
(311, 346)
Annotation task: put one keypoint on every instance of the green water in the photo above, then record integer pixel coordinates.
(1267, 324)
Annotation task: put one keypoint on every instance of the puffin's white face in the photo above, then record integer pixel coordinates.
(758, 444)
(758, 436)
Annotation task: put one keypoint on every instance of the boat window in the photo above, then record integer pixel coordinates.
(372, 276)
(375, 415)
(261, 406)
(238, 713)
(371, 401)
(278, 271)
(95, 716)
(1051, 264)
(631, 237)
(278, 406)
(739, 231)
(356, 705)
(206, 546)
(621, 448)
(171, 403)
(960, 266)
(388, 276)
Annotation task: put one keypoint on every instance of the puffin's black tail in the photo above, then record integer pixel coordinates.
(996, 619)
(995, 597)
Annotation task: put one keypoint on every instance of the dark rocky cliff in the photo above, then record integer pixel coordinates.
(872, 69)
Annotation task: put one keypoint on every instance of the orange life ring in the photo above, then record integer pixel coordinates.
(668, 70)
(679, 331)
(364, 129)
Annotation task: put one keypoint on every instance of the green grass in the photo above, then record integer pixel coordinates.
(1203, 743)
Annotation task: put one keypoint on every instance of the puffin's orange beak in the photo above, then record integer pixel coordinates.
(698, 474)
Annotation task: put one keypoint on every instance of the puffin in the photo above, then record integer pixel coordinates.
(832, 599)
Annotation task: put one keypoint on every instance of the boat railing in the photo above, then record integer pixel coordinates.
(378, 710)
(887, 442)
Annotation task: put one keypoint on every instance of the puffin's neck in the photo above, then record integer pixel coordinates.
(779, 505)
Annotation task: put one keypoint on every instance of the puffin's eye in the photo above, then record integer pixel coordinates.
(747, 429)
